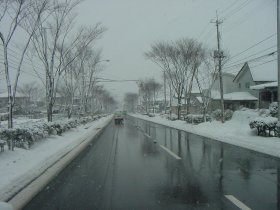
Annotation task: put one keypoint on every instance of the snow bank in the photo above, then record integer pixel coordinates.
(19, 167)
(236, 131)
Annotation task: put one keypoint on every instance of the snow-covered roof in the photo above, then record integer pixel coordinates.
(237, 96)
(18, 95)
(263, 86)
(266, 72)
(260, 73)
(195, 91)
(215, 94)
(199, 98)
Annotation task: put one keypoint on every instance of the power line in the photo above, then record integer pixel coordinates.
(230, 6)
(237, 9)
(254, 45)
(15, 68)
(243, 18)
(264, 63)
(251, 60)
(15, 54)
(16, 64)
(255, 65)
(251, 55)
(114, 80)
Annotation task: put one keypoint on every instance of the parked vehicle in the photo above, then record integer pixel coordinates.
(119, 118)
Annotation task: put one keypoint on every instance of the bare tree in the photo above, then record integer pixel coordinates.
(89, 68)
(155, 88)
(29, 89)
(180, 61)
(103, 99)
(146, 94)
(167, 56)
(148, 91)
(19, 14)
(130, 100)
(53, 45)
(192, 56)
(205, 78)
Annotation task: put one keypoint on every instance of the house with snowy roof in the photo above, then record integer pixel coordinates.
(237, 88)
(268, 93)
(20, 99)
(258, 76)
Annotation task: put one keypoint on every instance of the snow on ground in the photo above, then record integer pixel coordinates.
(236, 131)
(18, 167)
(19, 121)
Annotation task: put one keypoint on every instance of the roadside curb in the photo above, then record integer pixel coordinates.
(24, 195)
(223, 140)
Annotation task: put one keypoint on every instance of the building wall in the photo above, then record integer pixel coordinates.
(228, 84)
(244, 81)
(18, 100)
(267, 96)
(234, 105)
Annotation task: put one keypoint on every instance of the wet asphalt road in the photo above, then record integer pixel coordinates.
(142, 165)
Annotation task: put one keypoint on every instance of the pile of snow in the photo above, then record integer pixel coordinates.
(5, 206)
(236, 131)
(19, 167)
(245, 116)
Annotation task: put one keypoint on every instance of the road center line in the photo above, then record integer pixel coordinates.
(237, 202)
(170, 152)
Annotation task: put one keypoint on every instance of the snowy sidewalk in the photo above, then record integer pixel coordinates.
(236, 131)
(20, 167)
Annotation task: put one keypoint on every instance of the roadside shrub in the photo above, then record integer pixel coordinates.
(217, 114)
(228, 114)
(273, 109)
(264, 112)
(196, 119)
(25, 136)
(172, 117)
(266, 126)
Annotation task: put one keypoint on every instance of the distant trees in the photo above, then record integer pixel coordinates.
(180, 61)
(103, 100)
(130, 102)
(47, 26)
(30, 90)
(55, 47)
(148, 91)
(25, 16)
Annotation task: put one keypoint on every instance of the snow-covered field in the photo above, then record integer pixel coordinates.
(19, 167)
(236, 131)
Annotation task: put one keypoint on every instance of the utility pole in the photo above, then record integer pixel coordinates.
(278, 54)
(219, 54)
(47, 74)
(164, 86)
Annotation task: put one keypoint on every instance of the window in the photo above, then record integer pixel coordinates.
(266, 96)
(239, 85)
(247, 85)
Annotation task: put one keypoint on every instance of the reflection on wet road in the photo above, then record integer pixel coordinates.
(142, 165)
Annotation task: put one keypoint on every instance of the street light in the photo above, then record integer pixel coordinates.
(106, 60)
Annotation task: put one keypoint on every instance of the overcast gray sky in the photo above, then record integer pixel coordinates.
(133, 25)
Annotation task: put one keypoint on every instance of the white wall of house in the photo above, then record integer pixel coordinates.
(228, 84)
(244, 81)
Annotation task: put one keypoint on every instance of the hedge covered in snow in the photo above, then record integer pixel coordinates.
(25, 135)
(196, 118)
(273, 109)
(266, 126)
(217, 114)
